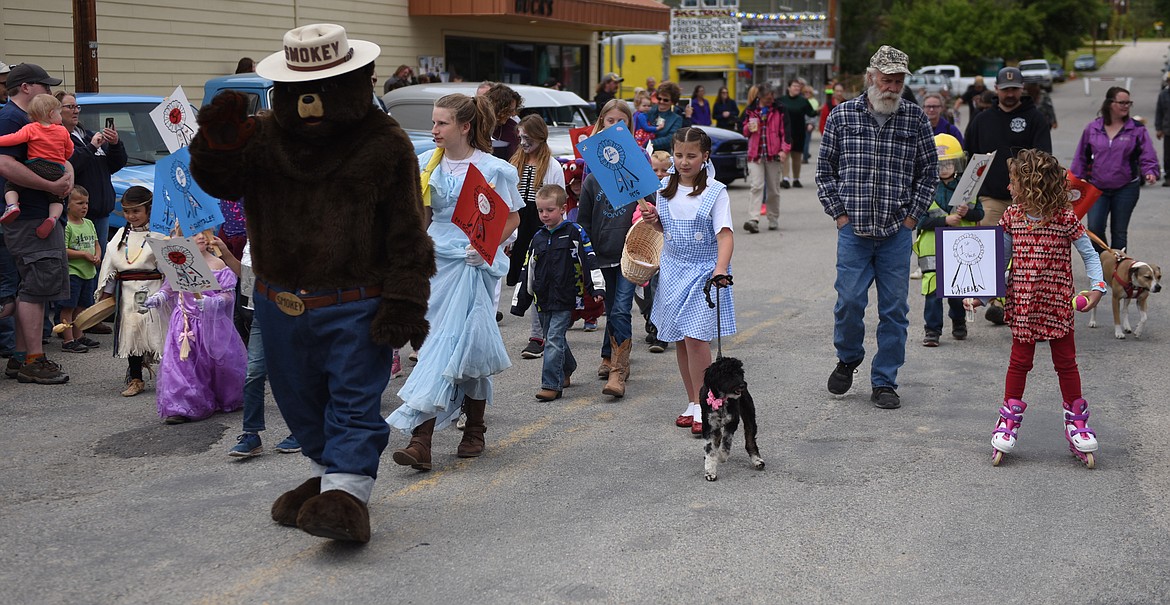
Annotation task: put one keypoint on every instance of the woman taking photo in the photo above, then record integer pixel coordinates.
(464, 349)
(1115, 154)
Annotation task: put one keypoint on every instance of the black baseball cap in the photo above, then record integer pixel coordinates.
(29, 73)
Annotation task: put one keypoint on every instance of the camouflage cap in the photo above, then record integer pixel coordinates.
(890, 60)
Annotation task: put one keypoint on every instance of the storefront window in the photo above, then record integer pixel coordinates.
(477, 59)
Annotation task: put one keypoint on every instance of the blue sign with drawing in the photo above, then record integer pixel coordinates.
(621, 167)
(178, 198)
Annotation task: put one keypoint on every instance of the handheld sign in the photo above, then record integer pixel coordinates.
(183, 265)
(620, 165)
(576, 135)
(970, 262)
(177, 197)
(175, 120)
(1082, 194)
(968, 188)
(481, 214)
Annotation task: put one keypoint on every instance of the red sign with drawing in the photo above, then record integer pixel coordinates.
(1082, 194)
(481, 213)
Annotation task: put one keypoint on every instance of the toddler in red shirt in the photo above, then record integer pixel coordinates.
(49, 148)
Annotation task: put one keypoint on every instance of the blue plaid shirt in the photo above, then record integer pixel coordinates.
(879, 176)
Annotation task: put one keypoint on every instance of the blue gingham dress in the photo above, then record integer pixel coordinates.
(689, 253)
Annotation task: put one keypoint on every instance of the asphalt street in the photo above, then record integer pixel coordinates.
(592, 500)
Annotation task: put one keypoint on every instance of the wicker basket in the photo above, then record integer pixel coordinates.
(640, 256)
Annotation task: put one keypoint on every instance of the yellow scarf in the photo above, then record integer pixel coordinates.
(436, 157)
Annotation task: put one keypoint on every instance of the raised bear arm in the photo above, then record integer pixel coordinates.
(217, 151)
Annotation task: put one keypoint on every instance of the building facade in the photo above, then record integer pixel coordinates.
(153, 48)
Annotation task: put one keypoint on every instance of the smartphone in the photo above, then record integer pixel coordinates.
(110, 123)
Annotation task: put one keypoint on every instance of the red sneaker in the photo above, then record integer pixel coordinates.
(10, 214)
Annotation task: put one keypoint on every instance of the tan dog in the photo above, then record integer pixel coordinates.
(1129, 279)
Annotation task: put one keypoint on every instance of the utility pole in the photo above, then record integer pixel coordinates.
(85, 46)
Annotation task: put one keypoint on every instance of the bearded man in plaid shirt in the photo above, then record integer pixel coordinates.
(876, 175)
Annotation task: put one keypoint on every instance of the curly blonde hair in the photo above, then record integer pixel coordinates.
(1038, 183)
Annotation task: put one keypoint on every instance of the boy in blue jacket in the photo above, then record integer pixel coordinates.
(559, 270)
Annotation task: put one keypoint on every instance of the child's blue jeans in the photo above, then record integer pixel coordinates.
(558, 359)
(932, 312)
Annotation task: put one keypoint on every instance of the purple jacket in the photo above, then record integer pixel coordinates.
(773, 127)
(1114, 164)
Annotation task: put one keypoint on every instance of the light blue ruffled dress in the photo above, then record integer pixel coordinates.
(464, 348)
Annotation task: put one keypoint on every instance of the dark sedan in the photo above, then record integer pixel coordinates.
(728, 154)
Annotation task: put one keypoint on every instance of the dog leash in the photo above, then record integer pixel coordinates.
(720, 282)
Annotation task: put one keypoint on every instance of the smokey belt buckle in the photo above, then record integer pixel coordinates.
(290, 304)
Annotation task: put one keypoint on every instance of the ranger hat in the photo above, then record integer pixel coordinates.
(1009, 77)
(316, 52)
(890, 60)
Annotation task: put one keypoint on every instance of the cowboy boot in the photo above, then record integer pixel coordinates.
(417, 455)
(615, 386)
(604, 368)
(471, 446)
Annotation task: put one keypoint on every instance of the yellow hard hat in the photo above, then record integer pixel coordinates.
(948, 147)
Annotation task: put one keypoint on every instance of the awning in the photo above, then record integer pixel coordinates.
(707, 68)
(598, 15)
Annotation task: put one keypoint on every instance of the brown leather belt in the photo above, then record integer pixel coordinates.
(291, 303)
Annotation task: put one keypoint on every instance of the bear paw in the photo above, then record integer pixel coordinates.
(224, 123)
(288, 505)
(336, 515)
(398, 322)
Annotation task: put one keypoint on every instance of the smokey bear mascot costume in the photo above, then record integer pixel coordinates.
(342, 260)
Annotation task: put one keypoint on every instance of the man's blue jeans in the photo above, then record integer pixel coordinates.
(860, 263)
(558, 359)
(254, 382)
(1115, 206)
(327, 376)
(619, 302)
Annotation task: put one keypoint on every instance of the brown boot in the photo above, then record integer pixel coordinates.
(417, 455)
(619, 369)
(604, 368)
(472, 444)
(134, 387)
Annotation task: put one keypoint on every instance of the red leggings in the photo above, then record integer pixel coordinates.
(1064, 359)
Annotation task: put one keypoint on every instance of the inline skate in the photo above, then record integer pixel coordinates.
(1082, 441)
(1003, 438)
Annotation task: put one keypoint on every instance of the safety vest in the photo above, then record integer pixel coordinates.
(924, 245)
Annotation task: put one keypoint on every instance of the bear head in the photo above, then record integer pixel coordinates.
(318, 110)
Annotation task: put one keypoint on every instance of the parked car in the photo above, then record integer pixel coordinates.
(136, 130)
(958, 82)
(931, 82)
(1058, 74)
(561, 109)
(1037, 70)
(1085, 63)
(728, 153)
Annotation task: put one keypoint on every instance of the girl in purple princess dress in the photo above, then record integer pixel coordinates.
(204, 360)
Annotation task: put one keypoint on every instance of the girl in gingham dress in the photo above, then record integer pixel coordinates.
(694, 214)
(1039, 231)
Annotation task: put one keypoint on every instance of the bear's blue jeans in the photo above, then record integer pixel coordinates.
(861, 262)
(327, 376)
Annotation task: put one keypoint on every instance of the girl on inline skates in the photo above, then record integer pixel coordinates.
(1039, 230)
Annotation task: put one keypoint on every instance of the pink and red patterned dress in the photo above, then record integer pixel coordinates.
(1041, 285)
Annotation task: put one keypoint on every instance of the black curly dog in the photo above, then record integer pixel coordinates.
(725, 399)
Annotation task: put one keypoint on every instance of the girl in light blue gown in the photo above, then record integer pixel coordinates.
(463, 349)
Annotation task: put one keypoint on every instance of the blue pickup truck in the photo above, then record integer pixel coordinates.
(144, 146)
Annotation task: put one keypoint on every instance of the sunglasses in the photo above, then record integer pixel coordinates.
(1124, 103)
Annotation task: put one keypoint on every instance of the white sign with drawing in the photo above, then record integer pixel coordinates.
(183, 264)
(970, 262)
(175, 120)
(968, 188)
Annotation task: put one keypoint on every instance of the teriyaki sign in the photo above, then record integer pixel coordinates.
(703, 32)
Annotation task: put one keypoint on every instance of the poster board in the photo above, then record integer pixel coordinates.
(968, 188)
(620, 165)
(970, 262)
(177, 197)
(481, 213)
(180, 260)
(175, 120)
(703, 32)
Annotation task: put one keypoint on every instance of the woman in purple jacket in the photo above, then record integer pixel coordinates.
(1115, 154)
(766, 127)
